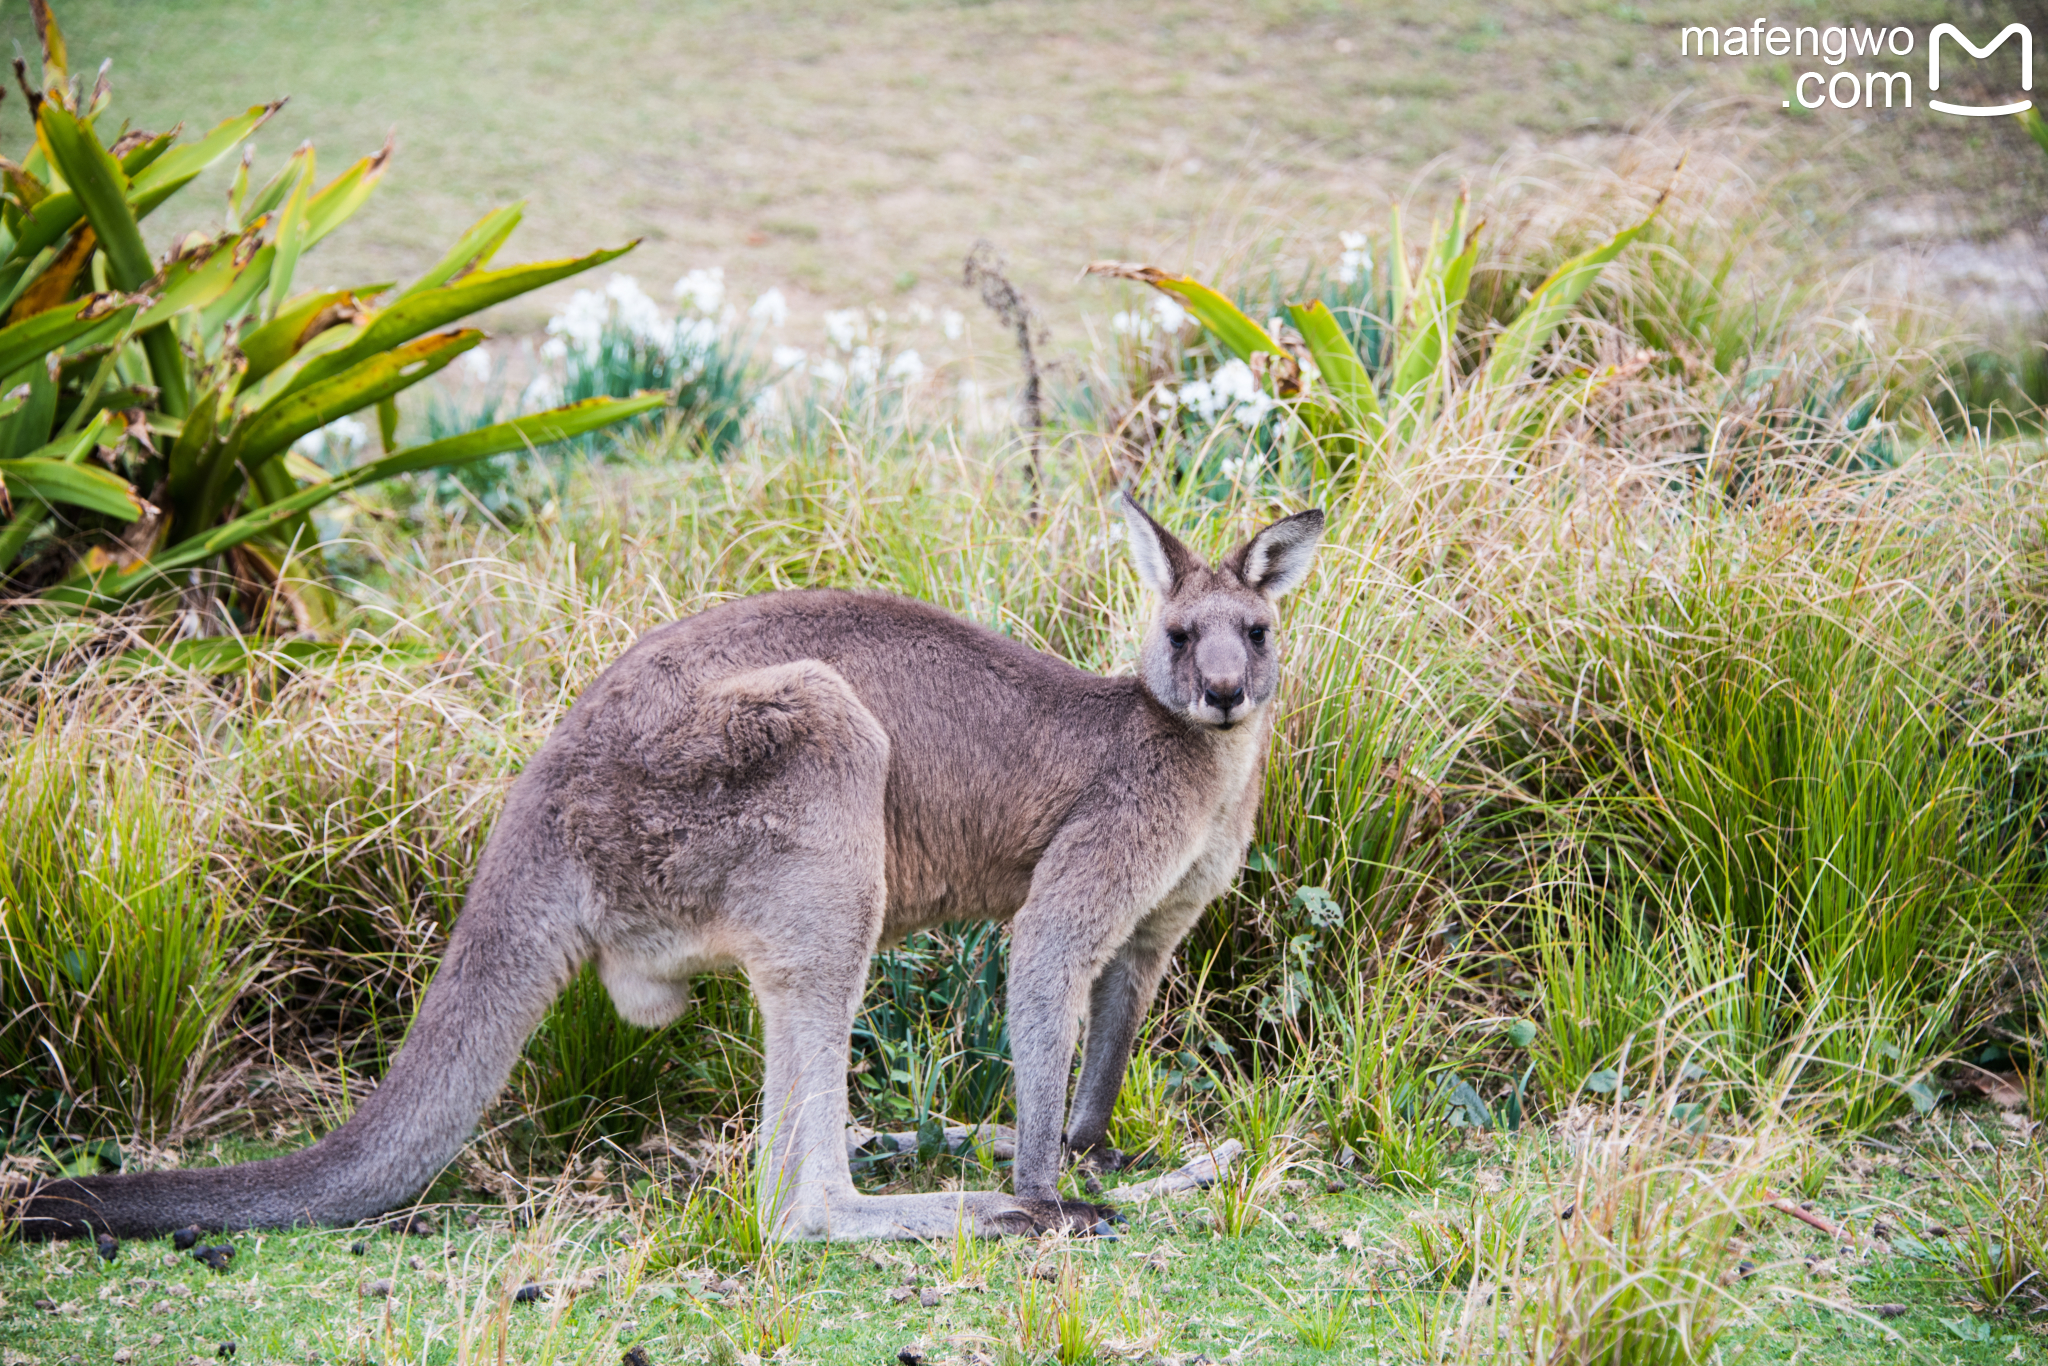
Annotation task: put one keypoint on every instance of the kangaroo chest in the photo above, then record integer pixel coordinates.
(1221, 829)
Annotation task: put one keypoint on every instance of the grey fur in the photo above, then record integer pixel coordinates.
(783, 783)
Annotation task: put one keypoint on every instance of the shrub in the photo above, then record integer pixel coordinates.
(159, 400)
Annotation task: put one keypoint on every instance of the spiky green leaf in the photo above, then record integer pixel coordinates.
(1439, 297)
(1517, 348)
(187, 284)
(277, 341)
(291, 233)
(343, 195)
(1221, 317)
(536, 429)
(363, 385)
(35, 337)
(95, 178)
(86, 486)
(1344, 374)
(473, 250)
(177, 166)
(414, 314)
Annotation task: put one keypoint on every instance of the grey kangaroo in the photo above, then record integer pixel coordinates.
(783, 783)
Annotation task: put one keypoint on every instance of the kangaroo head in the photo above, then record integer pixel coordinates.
(1212, 651)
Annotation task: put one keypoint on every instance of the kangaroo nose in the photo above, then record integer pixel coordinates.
(1224, 698)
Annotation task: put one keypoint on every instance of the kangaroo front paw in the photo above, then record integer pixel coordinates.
(1074, 1216)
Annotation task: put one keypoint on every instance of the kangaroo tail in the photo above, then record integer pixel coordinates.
(517, 943)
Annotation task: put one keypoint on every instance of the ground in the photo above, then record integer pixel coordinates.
(612, 1275)
(850, 154)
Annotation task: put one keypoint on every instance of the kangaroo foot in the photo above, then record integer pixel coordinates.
(1075, 1216)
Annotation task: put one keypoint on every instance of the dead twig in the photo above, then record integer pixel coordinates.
(1784, 1205)
(986, 271)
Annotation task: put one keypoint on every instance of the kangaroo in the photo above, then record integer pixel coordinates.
(783, 783)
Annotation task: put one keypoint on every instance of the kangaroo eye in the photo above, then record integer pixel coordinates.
(1258, 635)
(1177, 639)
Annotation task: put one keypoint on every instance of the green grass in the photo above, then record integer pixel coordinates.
(128, 945)
(1173, 1285)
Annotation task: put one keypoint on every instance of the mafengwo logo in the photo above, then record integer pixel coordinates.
(1858, 82)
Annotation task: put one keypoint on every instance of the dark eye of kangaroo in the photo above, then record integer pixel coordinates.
(1258, 636)
(1177, 639)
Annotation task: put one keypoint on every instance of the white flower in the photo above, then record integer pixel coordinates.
(1235, 469)
(476, 364)
(1253, 410)
(785, 358)
(1356, 261)
(1172, 317)
(639, 316)
(1234, 382)
(1233, 389)
(952, 323)
(554, 348)
(866, 364)
(829, 372)
(846, 327)
(581, 324)
(907, 367)
(544, 392)
(770, 310)
(695, 336)
(702, 289)
(1131, 324)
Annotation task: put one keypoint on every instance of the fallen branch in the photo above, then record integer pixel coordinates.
(1783, 1205)
(1203, 1171)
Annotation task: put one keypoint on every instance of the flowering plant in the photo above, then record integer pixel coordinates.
(152, 403)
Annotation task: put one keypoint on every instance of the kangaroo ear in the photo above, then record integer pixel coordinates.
(1161, 560)
(1278, 558)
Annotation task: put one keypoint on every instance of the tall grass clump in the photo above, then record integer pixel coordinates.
(1816, 838)
(2002, 1249)
(1643, 1269)
(590, 1074)
(1381, 1064)
(129, 947)
(362, 824)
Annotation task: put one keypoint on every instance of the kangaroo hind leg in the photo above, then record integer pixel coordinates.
(808, 910)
